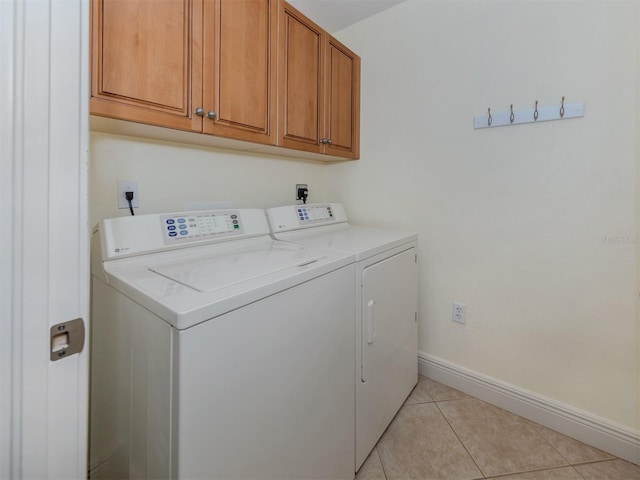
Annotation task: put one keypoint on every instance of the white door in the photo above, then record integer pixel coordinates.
(389, 305)
(44, 269)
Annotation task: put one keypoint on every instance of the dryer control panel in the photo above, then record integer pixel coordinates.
(200, 226)
(295, 217)
(314, 213)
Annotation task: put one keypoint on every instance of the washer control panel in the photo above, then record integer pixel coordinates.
(178, 228)
(308, 214)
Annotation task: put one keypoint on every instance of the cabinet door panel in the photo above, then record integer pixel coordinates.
(145, 51)
(240, 76)
(343, 101)
(142, 61)
(301, 95)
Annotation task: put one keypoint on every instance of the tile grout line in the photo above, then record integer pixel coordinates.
(384, 472)
(498, 477)
(577, 471)
(459, 439)
(405, 404)
(574, 465)
(548, 442)
(603, 460)
(375, 447)
(569, 463)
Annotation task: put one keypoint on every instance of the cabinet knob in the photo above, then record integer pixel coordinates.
(326, 141)
(199, 111)
(329, 142)
(211, 114)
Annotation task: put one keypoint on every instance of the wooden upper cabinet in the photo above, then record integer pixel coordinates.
(342, 127)
(251, 70)
(300, 83)
(240, 69)
(202, 65)
(145, 67)
(318, 89)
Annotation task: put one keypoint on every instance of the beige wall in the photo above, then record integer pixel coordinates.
(526, 225)
(533, 227)
(172, 175)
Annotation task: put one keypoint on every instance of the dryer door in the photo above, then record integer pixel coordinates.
(389, 306)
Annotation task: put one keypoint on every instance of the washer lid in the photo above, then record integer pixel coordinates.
(188, 286)
(212, 273)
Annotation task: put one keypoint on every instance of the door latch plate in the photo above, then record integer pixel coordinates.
(67, 338)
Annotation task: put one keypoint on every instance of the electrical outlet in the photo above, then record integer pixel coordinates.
(127, 186)
(302, 191)
(459, 313)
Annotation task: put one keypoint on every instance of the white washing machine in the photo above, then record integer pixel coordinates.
(386, 307)
(218, 352)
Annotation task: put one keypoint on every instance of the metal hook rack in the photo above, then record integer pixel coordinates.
(530, 115)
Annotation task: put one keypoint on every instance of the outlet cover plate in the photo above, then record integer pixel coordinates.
(459, 313)
(300, 186)
(127, 186)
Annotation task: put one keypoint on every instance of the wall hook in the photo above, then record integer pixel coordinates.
(489, 120)
(512, 116)
(562, 108)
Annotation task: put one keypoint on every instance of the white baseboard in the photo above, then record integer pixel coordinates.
(587, 428)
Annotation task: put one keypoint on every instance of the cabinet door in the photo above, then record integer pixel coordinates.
(240, 69)
(145, 66)
(342, 127)
(300, 82)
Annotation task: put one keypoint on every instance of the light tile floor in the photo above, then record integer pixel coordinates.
(443, 434)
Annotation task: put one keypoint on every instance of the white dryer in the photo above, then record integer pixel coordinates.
(386, 307)
(218, 352)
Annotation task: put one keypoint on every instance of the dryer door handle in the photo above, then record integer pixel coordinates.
(371, 325)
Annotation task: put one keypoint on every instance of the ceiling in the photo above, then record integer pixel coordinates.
(334, 15)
